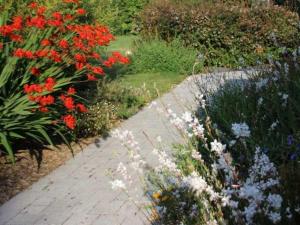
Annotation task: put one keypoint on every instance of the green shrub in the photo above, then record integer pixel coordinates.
(224, 33)
(112, 103)
(159, 56)
(119, 15)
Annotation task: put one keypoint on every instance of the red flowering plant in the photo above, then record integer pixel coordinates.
(43, 55)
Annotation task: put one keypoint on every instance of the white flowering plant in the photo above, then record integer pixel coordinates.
(243, 167)
(240, 162)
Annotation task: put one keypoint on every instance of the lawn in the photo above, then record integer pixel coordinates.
(156, 82)
(123, 43)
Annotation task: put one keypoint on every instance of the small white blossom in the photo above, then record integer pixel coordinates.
(187, 117)
(158, 139)
(274, 217)
(274, 125)
(217, 147)
(274, 200)
(240, 130)
(117, 184)
(260, 101)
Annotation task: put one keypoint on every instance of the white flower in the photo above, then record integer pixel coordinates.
(128, 53)
(274, 200)
(274, 125)
(195, 182)
(187, 117)
(285, 96)
(158, 139)
(217, 147)
(200, 98)
(212, 222)
(165, 162)
(240, 130)
(261, 83)
(250, 211)
(117, 184)
(152, 104)
(260, 101)
(274, 216)
(196, 155)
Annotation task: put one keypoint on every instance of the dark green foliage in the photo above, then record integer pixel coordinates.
(119, 15)
(226, 34)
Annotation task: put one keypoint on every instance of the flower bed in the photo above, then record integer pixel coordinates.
(45, 54)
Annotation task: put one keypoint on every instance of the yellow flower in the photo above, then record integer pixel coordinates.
(156, 195)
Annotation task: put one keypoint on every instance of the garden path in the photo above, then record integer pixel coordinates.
(80, 193)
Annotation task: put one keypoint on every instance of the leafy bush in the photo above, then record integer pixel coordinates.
(119, 15)
(157, 55)
(113, 103)
(42, 58)
(225, 34)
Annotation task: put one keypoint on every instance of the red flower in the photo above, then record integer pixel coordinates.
(38, 21)
(81, 108)
(81, 11)
(45, 42)
(98, 70)
(68, 17)
(46, 100)
(71, 91)
(91, 77)
(23, 53)
(35, 71)
(33, 5)
(109, 62)
(54, 55)
(1, 45)
(79, 66)
(62, 97)
(80, 58)
(41, 53)
(71, 1)
(95, 55)
(57, 15)
(16, 37)
(70, 121)
(6, 30)
(120, 58)
(28, 54)
(44, 109)
(69, 103)
(49, 84)
(63, 44)
(55, 23)
(19, 53)
(28, 89)
(41, 10)
(17, 23)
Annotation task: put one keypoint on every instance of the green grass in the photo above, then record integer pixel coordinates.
(156, 83)
(122, 43)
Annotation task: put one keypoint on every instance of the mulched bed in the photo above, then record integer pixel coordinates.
(31, 165)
